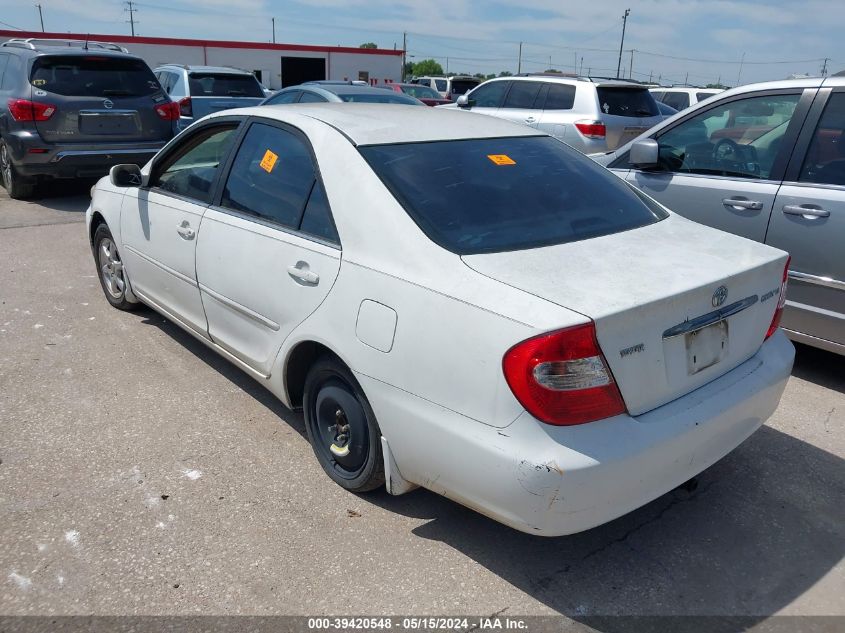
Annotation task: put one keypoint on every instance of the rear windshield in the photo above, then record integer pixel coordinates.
(421, 92)
(378, 98)
(224, 85)
(505, 194)
(461, 86)
(93, 76)
(632, 102)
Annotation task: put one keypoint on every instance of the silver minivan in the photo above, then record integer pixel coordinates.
(765, 161)
(591, 115)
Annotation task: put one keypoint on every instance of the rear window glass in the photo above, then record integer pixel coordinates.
(461, 86)
(224, 85)
(492, 195)
(421, 92)
(677, 100)
(94, 76)
(378, 98)
(631, 102)
(701, 96)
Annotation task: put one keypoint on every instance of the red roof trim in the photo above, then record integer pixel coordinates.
(172, 41)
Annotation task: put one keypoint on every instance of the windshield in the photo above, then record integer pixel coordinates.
(631, 102)
(378, 98)
(93, 76)
(224, 85)
(505, 194)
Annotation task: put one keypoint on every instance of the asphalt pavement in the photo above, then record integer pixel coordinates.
(142, 474)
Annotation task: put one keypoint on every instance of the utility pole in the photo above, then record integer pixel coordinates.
(824, 67)
(404, 52)
(41, 16)
(273, 21)
(686, 80)
(739, 74)
(447, 66)
(624, 23)
(132, 11)
(581, 69)
(519, 63)
(650, 75)
(631, 67)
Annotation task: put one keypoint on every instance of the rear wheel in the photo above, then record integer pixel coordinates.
(110, 269)
(17, 187)
(342, 427)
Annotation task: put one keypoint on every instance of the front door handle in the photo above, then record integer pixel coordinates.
(807, 211)
(185, 230)
(743, 203)
(303, 273)
(530, 119)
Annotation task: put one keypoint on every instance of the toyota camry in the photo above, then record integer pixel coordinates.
(457, 302)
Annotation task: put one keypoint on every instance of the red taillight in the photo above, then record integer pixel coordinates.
(591, 129)
(168, 111)
(185, 107)
(781, 301)
(562, 377)
(24, 110)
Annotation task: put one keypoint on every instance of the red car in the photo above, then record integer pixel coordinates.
(428, 96)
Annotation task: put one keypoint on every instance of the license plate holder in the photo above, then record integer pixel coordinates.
(706, 347)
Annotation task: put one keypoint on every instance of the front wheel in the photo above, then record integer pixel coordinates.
(342, 427)
(110, 269)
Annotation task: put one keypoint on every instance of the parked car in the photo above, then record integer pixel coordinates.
(553, 368)
(72, 109)
(589, 115)
(682, 98)
(337, 92)
(449, 87)
(765, 161)
(201, 90)
(427, 95)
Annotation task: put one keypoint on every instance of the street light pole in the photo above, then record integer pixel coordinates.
(622, 43)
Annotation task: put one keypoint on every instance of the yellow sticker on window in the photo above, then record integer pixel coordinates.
(39, 82)
(269, 161)
(501, 159)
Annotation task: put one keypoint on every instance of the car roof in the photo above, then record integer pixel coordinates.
(380, 124)
(223, 70)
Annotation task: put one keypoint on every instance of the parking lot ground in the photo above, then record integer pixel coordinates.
(142, 474)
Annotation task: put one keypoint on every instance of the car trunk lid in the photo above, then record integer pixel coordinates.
(649, 291)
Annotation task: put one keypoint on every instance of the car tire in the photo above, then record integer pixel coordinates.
(342, 427)
(110, 269)
(17, 187)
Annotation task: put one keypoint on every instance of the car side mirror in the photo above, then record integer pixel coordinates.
(644, 153)
(126, 176)
(463, 102)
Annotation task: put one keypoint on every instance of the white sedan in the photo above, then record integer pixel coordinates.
(457, 302)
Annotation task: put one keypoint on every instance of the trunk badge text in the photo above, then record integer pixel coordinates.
(719, 296)
(634, 349)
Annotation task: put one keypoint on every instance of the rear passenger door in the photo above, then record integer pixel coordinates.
(523, 103)
(268, 252)
(722, 166)
(808, 221)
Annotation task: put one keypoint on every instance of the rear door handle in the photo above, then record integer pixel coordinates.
(742, 203)
(303, 273)
(806, 210)
(185, 230)
(530, 119)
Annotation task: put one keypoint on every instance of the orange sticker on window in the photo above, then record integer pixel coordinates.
(501, 159)
(269, 161)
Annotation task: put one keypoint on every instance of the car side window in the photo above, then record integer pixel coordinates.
(12, 73)
(677, 100)
(739, 138)
(310, 97)
(560, 97)
(317, 219)
(489, 95)
(658, 95)
(191, 170)
(271, 176)
(522, 94)
(4, 59)
(825, 160)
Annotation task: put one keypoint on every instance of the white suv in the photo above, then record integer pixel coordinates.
(591, 115)
(682, 98)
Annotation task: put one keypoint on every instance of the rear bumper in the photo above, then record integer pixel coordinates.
(74, 160)
(552, 481)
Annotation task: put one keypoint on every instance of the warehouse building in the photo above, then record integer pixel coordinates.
(275, 65)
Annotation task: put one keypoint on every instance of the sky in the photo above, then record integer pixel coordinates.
(674, 41)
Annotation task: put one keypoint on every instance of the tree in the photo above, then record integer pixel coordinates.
(427, 67)
(505, 73)
(716, 86)
(368, 45)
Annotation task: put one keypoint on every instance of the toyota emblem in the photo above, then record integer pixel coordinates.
(719, 296)
(108, 104)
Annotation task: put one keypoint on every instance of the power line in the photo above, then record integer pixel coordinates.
(11, 26)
